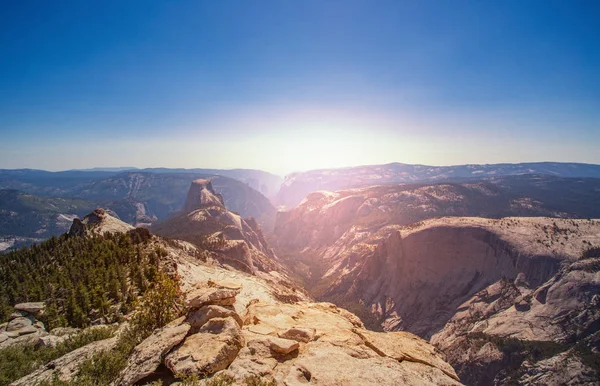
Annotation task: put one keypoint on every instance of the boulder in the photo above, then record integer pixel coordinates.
(199, 317)
(403, 346)
(210, 296)
(212, 349)
(15, 338)
(224, 284)
(12, 334)
(299, 334)
(36, 308)
(261, 329)
(3, 337)
(148, 355)
(282, 346)
(27, 330)
(18, 323)
(16, 314)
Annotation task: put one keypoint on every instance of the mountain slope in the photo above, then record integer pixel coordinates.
(415, 277)
(26, 218)
(159, 195)
(354, 246)
(237, 327)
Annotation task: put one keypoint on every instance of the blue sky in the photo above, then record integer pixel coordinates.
(294, 85)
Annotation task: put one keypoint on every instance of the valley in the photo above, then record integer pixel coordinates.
(487, 281)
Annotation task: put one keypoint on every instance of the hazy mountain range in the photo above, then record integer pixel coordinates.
(30, 210)
(297, 185)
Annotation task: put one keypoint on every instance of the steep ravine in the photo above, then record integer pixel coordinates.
(415, 283)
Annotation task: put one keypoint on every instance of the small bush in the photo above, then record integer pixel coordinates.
(161, 303)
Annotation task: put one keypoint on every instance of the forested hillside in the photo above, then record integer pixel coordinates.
(80, 278)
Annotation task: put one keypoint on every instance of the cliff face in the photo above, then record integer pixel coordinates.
(414, 280)
(507, 299)
(367, 246)
(202, 195)
(530, 334)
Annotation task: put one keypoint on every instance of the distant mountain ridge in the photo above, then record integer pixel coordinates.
(297, 185)
(53, 183)
(33, 209)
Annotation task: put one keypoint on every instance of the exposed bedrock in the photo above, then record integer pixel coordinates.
(415, 283)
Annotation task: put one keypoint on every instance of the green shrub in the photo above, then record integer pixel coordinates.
(160, 304)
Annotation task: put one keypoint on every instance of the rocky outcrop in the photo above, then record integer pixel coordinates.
(147, 356)
(405, 346)
(477, 287)
(211, 349)
(331, 348)
(22, 327)
(298, 334)
(566, 368)
(234, 241)
(35, 308)
(199, 317)
(211, 295)
(292, 344)
(202, 195)
(242, 325)
(512, 330)
(98, 222)
(414, 279)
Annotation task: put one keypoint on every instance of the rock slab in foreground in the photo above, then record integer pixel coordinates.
(147, 356)
(403, 346)
(212, 349)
